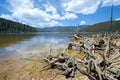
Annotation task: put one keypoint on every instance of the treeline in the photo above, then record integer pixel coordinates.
(104, 27)
(61, 28)
(7, 26)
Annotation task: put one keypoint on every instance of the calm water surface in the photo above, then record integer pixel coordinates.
(23, 44)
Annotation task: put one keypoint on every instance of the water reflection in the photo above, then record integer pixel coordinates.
(11, 39)
(25, 44)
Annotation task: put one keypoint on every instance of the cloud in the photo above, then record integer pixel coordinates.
(82, 22)
(109, 3)
(50, 9)
(69, 15)
(82, 6)
(50, 24)
(117, 19)
(47, 14)
(87, 6)
(26, 12)
(6, 16)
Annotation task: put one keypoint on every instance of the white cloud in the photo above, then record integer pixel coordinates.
(82, 6)
(87, 6)
(69, 15)
(6, 16)
(50, 9)
(82, 22)
(109, 3)
(50, 24)
(24, 11)
(117, 19)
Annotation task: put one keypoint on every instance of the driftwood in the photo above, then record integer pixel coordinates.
(76, 36)
(105, 68)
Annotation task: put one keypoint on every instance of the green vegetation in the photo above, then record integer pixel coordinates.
(61, 28)
(7, 26)
(104, 27)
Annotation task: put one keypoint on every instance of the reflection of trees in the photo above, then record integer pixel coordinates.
(10, 39)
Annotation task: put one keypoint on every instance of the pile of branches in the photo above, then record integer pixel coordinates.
(106, 66)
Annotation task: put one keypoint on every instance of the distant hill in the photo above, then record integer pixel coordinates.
(61, 28)
(8, 26)
(103, 27)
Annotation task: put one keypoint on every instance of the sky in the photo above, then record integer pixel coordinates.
(50, 13)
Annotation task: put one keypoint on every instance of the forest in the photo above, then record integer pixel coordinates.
(104, 27)
(8, 26)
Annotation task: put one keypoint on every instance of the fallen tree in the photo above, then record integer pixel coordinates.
(101, 60)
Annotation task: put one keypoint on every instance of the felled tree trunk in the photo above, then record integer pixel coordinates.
(107, 68)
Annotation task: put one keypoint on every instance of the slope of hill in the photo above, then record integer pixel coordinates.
(8, 26)
(103, 26)
(61, 28)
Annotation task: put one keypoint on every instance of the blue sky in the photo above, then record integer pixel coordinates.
(48, 13)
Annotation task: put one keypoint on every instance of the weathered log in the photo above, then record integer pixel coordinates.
(71, 44)
(76, 36)
(84, 71)
(96, 68)
(115, 54)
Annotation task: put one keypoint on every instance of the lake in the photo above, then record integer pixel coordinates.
(21, 54)
(30, 43)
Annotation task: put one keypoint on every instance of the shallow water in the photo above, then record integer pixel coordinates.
(21, 54)
(22, 44)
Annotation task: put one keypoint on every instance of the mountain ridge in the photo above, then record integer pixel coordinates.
(104, 27)
(61, 28)
(8, 26)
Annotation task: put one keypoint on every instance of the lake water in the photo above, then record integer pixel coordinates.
(22, 44)
(21, 54)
